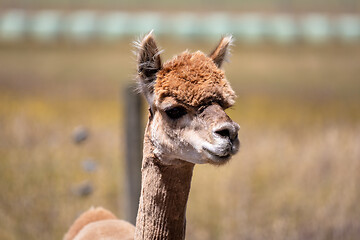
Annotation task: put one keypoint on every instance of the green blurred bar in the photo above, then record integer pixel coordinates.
(249, 28)
(185, 25)
(282, 29)
(83, 26)
(316, 28)
(348, 28)
(216, 25)
(13, 25)
(113, 26)
(46, 26)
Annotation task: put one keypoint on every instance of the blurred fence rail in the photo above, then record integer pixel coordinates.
(85, 25)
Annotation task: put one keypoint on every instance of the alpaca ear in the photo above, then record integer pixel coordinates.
(222, 51)
(148, 64)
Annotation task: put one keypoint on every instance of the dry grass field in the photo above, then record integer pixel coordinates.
(297, 175)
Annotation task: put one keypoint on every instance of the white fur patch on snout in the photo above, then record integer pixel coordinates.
(219, 149)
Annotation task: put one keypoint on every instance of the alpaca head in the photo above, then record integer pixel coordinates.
(188, 96)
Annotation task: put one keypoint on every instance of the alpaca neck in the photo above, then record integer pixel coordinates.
(164, 194)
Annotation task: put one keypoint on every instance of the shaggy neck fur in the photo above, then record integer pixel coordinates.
(164, 194)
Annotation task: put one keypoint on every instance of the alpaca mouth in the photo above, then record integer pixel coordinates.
(219, 158)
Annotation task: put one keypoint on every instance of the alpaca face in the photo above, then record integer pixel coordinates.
(188, 97)
(195, 134)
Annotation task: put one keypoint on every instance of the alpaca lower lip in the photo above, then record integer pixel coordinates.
(215, 156)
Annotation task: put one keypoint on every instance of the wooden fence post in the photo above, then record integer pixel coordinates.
(133, 152)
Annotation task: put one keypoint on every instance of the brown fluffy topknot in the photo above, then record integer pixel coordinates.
(194, 79)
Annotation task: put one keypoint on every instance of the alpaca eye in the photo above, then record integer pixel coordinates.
(176, 112)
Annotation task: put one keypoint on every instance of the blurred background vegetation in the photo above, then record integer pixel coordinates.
(192, 4)
(297, 175)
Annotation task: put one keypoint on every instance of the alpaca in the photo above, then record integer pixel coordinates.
(187, 125)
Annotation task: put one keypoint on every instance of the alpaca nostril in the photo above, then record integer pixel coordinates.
(226, 130)
(223, 133)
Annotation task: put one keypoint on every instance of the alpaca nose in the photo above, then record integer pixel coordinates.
(227, 130)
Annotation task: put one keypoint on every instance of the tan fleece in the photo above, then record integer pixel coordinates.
(98, 222)
(194, 79)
